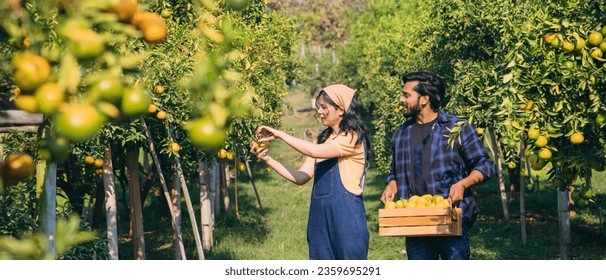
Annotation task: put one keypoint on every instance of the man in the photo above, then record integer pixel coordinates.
(425, 161)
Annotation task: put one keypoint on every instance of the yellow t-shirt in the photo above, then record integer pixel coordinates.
(351, 160)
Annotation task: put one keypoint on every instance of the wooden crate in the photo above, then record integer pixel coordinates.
(431, 221)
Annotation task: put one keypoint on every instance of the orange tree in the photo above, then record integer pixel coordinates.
(533, 72)
(384, 41)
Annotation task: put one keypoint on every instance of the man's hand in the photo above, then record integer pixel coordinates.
(456, 193)
(390, 192)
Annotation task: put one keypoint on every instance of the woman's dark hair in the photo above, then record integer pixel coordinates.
(351, 122)
(429, 84)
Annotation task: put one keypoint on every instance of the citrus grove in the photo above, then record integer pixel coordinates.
(157, 94)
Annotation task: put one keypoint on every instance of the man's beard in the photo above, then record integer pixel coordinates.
(413, 112)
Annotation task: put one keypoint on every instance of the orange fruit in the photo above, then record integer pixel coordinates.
(567, 46)
(577, 138)
(85, 43)
(533, 134)
(512, 165)
(98, 163)
(595, 53)
(603, 46)
(390, 205)
(138, 18)
(159, 89)
(595, 38)
(579, 44)
(399, 204)
(20, 166)
(30, 70)
(222, 153)
(230, 155)
(27, 103)
(541, 141)
(480, 131)
(134, 102)
(161, 115)
(49, 97)
(89, 160)
(205, 134)
(545, 153)
(241, 166)
(549, 37)
(152, 108)
(153, 31)
(107, 88)
(166, 13)
(175, 147)
(78, 122)
(125, 9)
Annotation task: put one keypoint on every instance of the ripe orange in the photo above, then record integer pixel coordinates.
(125, 9)
(399, 204)
(533, 134)
(49, 97)
(549, 37)
(241, 166)
(596, 53)
(512, 165)
(134, 102)
(567, 46)
(161, 115)
(175, 147)
(89, 160)
(390, 205)
(222, 153)
(541, 141)
(480, 131)
(27, 103)
(153, 31)
(545, 153)
(30, 70)
(205, 134)
(138, 18)
(19, 166)
(230, 155)
(78, 122)
(98, 163)
(159, 89)
(577, 138)
(579, 44)
(595, 38)
(152, 108)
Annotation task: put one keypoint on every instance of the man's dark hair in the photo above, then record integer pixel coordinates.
(429, 84)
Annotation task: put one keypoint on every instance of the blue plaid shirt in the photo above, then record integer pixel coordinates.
(449, 164)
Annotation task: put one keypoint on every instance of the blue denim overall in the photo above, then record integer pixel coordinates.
(336, 227)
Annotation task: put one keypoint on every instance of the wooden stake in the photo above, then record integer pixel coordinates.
(152, 150)
(110, 205)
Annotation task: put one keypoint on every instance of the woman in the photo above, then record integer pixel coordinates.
(336, 227)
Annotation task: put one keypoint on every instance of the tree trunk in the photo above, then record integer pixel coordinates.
(215, 187)
(206, 215)
(496, 150)
(110, 205)
(225, 187)
(522, 194)
(136, 214)
(564, 218)
(176, 203)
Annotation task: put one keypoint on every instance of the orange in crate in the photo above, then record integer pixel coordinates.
(429, 221)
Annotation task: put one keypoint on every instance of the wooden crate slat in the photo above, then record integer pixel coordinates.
(415, 221)
(19, 117)
(420, 222)
(414, 211)
(435, 230)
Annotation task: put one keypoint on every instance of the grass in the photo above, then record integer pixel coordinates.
(280, 234)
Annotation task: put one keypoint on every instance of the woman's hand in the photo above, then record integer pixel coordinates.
(260, 149)
(265, 133)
